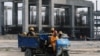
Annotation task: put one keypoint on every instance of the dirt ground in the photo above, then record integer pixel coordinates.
(18, 53)
(88, 48)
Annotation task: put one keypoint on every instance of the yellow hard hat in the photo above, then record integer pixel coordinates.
(60, 32)
(24, 33)
(31, 28)
(52, 29)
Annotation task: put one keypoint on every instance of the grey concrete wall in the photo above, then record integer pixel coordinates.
(60, 1)
(11, 0)
(80, 3)
(74, 2)
(65, 1)
(69, 2)
(7, 0)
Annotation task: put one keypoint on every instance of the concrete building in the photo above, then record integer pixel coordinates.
(96, 22)
(60, 14)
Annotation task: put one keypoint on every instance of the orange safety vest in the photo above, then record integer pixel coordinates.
(53, 41)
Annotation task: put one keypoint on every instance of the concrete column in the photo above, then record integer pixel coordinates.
(31, 16)
(1, 17)
(90, 9)
(39, 15)
(15, 14)
(47, 15)
(51, 17)
(67, 20)
(5, 16)
(87, 20)
(25, 16)
(73, 20)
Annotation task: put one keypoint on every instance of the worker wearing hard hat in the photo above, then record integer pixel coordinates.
(24, 33)
(60, 34)
(52, 30)
(63, 35)
(31, 32)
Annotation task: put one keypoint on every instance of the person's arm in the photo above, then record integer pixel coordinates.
(57, 37)
(33, 33)
(28, 34)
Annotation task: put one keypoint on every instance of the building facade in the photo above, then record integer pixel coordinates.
(44, 14)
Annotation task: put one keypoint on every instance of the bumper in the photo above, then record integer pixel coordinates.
(60, 50)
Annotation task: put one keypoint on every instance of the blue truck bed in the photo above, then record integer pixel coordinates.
(31, 42)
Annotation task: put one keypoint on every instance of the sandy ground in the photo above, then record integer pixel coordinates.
(18, 53)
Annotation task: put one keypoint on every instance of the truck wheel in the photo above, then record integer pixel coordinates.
(65, 53)
(22, 49)
(28, 52)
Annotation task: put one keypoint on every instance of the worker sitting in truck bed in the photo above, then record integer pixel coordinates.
(31, 32)
(60, 34)
(24, 33)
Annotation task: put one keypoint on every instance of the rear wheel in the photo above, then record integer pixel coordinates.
(28, 52)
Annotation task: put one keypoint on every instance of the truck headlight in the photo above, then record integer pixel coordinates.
(66, 47)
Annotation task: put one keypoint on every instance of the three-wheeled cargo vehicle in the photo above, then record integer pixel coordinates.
(39, 45)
